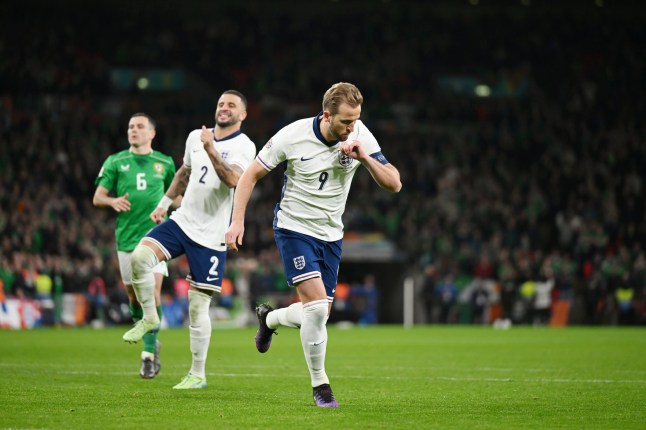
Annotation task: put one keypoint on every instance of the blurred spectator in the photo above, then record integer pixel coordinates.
(446, 294)
(97, 302)
(365, 297)
(429, 282)
(542, 304)
(479, 302)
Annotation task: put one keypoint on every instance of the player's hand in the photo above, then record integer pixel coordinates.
(121, 204)
(353, 149)
(234, 234)
(158, 215)
(207, 138)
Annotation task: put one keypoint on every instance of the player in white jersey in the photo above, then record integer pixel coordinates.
(214, 160)
(322, 155)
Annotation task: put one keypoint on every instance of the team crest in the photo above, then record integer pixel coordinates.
(345, 160)
(268, 145)
(299, 262)
(158, 167)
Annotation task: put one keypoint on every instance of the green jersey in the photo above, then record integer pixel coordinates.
(145, 178)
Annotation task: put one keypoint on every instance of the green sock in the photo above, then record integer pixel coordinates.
(136, 312)
(150, 338)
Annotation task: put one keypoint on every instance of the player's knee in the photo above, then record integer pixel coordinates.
(143, 260)
(316, 311)
(198, 303)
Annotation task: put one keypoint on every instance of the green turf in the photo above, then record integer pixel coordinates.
(384, 377)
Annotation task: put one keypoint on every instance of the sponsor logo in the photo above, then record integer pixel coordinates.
(299, 262)
(306, 159)
(125, 167)
(212, 278)
(225, 154)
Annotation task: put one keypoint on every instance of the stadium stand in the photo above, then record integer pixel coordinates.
(516, 129)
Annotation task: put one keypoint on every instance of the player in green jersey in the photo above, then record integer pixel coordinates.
(132, 182)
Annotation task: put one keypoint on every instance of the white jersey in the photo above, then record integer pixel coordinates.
(205, 212)
(317, 176)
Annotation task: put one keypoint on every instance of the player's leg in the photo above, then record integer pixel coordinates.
(200, 338)
(147, 360)
(144, 259)
(313, 328)
(152, 346)
(125, 268)
(310, 273)
(207, 269)
(296, 252)
(160, 244)
(329, 268)
(269, 319)
(291, 316)
(314, 338)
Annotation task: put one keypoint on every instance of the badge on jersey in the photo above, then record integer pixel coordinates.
(345, 161)
(158, 167)
(299, 262)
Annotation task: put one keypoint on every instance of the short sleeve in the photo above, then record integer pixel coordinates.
(244, 156)
(107, 177)
(187, 149)
(273, 153)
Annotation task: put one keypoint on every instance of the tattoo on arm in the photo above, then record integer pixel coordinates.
(226, 172)
(180, 182)
(223, 169)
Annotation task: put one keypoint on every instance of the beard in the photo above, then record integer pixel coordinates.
(338, 136)
(228, 123)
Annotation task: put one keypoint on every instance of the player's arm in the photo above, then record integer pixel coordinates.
(229, 174)
(246, 184)
(386, 175)
(102, 199)
(173, 194)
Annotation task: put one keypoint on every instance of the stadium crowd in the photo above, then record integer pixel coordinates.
(538, 183)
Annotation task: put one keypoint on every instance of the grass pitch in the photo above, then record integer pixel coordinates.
(384, 377)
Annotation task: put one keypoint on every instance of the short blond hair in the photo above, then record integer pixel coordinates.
(341, 92)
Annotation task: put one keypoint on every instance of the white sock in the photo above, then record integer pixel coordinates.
(199, 330)
(291, 316)
(143, 260)
(314, 340)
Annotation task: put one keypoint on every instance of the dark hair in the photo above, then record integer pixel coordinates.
(145, 115)
(239, 94)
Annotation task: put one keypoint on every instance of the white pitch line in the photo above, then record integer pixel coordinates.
(431, 378)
